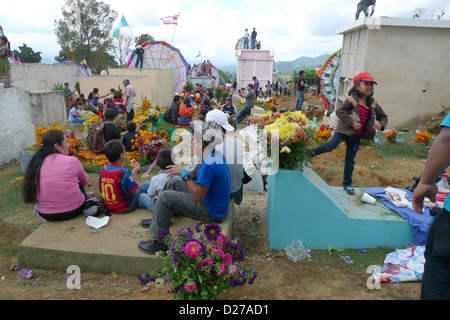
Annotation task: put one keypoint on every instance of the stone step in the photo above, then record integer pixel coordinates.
(112, 248)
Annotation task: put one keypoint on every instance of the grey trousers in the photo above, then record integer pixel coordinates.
(176, 199)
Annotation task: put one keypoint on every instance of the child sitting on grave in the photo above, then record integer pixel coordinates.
(157, 183)
(130, 137)
(118, 186)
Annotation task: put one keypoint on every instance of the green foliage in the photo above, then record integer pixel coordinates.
(91, 34)
(310, 76)
(221, 94)
(145, 37)
(27, 55)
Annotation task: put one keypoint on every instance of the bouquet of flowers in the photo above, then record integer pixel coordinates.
(289, 131)
(201, 267)
(323, 134)
(391, 136)
(148, 145)
(147, 111)
(422, 137)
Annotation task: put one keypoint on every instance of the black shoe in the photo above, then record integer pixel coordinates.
(349, 190)
(146, 223)
(152, 246)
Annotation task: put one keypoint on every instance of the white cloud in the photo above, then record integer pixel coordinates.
(292, 28)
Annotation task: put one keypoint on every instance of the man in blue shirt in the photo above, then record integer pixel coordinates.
(207, 199)
(436, 276)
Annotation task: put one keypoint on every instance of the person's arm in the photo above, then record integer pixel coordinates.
(437, 161)
(382, 119)
(198, 191)
(134, 173)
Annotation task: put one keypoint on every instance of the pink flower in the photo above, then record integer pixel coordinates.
(221, 269)
(190, 287)
(233, 270)
(192, 249)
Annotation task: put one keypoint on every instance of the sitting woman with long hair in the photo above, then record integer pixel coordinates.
(185, 112)
(54, 180)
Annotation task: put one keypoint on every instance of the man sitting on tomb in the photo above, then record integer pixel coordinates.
(206, 200)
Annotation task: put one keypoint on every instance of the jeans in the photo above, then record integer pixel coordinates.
(243, 112)
(145, 201)
(352, 142)
(139, 61)
(300, 99)
(360, 8)
(436, 274)
(245, 43)
(135, 203)
(253, 43)
(171, 202)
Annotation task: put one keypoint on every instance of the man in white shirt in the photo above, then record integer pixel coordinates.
(128, 102)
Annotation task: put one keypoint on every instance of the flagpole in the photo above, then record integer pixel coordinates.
(176, 25)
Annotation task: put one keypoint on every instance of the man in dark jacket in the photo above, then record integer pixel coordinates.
(110, 130)
(364, 5)
(171, 114)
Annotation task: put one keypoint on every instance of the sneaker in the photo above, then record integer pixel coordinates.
(349, 190)
(146, 223)
(152, 246)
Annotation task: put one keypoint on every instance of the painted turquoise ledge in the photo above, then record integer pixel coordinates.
(302, 206)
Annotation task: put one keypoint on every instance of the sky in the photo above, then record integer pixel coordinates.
(291, 28)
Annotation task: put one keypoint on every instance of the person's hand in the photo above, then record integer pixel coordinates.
(377, 127)
(356, 125)
(136, 169)
(423, 190)
(174, 170)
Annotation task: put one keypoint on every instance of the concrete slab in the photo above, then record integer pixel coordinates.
(112, 248)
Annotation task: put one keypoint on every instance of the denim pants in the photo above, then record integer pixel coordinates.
(245, 43)
(243, 113)
(352, 142)
(145, 201)
(171, 202)
(436, 275)
(135, 202)
(300, 99)
(360, 8)
(139, 61)
(253, 43)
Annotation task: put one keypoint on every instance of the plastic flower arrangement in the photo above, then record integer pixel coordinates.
(201, 267)
(293, 137)
(391, 136)
(422, 137)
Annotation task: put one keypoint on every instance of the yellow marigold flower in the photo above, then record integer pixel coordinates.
(285, 149)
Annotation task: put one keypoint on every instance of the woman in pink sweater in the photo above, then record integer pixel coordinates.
(54, 180)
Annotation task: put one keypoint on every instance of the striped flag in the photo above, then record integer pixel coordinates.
(170, 19)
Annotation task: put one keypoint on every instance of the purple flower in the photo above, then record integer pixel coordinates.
(197, 226)
(185, 232)
(212, 231)
(162, 235)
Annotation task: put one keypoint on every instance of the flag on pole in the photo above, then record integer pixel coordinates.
(170, 19)
(116, 34)
(123, 22)
(199, 54)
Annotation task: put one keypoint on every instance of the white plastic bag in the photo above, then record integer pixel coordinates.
(296, 251)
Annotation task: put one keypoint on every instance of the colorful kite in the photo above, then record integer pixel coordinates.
(161, 55)
(329, 80)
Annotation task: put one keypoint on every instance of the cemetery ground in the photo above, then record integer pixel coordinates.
(324, 276)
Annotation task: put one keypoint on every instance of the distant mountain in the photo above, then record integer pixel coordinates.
(289, 66)
(302, 63)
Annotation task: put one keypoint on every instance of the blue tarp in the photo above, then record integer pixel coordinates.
(421, 221)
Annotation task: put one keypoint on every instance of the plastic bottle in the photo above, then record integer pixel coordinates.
(90, 193)
(443, 190)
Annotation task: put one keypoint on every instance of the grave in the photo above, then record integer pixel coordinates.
(302, 206)
(112, 248)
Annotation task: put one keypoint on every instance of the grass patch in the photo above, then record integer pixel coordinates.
(405, 147)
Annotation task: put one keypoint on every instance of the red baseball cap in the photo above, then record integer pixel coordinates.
(364, 76)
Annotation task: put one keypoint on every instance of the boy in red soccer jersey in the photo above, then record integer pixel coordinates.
(118, 186)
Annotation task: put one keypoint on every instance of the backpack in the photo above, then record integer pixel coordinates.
(94, 207)
(95, 139)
